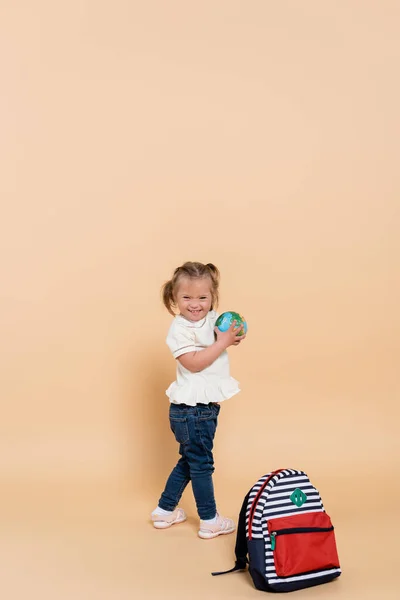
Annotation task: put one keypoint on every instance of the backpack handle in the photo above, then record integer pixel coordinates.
(256, 499)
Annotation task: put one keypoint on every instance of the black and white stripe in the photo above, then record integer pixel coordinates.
(274, 580)
(277, 493)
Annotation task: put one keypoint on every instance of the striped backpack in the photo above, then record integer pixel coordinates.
(285, 535)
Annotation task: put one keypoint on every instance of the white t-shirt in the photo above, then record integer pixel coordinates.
(213, 384)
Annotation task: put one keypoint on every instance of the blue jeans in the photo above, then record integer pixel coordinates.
(194, 429)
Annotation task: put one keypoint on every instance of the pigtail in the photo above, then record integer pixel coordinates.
(214, 271)
(215, 277)
(168, 296)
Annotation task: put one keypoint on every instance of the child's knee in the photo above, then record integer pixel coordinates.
(202, 470)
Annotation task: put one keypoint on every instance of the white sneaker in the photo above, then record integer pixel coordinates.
(223, 526)
(165, 521)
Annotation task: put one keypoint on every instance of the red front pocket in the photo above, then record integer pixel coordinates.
(303, 543)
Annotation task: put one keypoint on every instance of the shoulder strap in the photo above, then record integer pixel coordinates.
(241, 542)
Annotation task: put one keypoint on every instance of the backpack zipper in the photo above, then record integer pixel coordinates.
(274, 534)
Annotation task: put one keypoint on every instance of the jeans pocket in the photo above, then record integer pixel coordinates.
(217, 408)
(206, 432)
(206, 414)
(180, 430)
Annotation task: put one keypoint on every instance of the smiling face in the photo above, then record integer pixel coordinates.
(194, 297)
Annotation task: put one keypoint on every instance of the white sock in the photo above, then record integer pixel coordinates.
(211, 521)
(161, 511)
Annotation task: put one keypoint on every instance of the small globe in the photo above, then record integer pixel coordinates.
(225, 320)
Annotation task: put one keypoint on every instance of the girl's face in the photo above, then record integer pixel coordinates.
(194, 298)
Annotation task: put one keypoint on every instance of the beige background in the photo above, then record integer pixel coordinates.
(264, 137)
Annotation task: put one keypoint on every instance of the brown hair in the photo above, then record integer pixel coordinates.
(191, 270)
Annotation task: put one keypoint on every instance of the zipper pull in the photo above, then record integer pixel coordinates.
(273, 540)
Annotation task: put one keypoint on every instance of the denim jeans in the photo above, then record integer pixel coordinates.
(194, 429)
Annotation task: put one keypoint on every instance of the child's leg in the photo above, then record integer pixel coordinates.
(199, 455)
(201, 461)
(180, 475)
(166, 513)
(176, 484)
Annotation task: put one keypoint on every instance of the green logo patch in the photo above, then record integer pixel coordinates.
(298, 497)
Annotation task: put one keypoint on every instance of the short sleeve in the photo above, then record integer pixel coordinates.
(213, 316)
(181, 340)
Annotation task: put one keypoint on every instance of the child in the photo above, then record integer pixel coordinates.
(203, 381)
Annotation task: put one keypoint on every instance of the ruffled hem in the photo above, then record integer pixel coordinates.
(192, 394)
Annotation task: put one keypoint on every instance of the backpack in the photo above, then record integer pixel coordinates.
(284, 534)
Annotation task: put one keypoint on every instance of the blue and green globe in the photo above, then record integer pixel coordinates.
(225, 320)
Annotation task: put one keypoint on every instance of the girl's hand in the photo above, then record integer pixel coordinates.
(242, 337)
(230, 337)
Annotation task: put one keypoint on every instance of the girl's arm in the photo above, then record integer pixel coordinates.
(197, 361)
